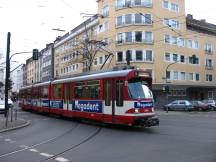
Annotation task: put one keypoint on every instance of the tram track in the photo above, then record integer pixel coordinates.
(41, 143)
(74, 146)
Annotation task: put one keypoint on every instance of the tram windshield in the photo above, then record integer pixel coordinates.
(139, 90)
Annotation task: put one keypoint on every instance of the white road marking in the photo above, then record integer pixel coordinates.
(33, 150)
(61, 159)
(46, 155)
(24, 146)
(7, 140)
(12, 141)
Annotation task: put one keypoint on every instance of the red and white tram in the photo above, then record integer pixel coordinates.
(117, 97)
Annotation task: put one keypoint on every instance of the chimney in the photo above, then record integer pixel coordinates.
(189, 16)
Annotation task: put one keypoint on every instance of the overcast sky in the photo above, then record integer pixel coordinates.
(31, 21)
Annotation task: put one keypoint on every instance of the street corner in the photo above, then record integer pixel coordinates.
(15, 124)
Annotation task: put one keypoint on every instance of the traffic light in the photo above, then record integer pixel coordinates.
(35, 54)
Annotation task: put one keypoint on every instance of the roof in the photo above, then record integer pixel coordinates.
(200, 25)
(108, 74)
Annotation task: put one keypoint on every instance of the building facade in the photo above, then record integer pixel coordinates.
(158, 36)
(47, 62)
(155, 35)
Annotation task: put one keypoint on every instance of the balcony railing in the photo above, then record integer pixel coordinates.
(208, 51)
(209, 67)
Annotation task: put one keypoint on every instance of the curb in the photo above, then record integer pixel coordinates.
(17, 127)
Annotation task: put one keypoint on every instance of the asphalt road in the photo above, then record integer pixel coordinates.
(181, 137)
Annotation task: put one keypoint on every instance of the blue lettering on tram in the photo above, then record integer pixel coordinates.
(45, 103)
(56, 104)
(143, 104)
(88, 106)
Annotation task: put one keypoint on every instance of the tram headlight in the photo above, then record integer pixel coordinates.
(136, 111)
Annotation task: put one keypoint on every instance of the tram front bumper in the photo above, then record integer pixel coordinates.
(147, 121)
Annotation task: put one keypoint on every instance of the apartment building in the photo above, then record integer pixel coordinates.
(156, 35)
(47, 63)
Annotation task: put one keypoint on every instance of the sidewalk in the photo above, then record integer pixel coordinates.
(15, 124)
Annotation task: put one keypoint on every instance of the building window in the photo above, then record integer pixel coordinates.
(168, 75)
(196, 45)
(190, 44)
(167, 56)
(175, 57)
(137, 2)
(139, 55)
(181, 42)
(95, 61)
(167, 38)
(183, 76)
(129, 54)
(106, 26)
(209, 63)
(148, 19)
(208, 48)
(138, 36)
(127, 3)
(147, 3)
(174, 7)
(138, 18)
(128, 19)
(149, 56)
(182, 59)
(197, 77)
(128, 37)
(105, 11)
(166, 21)
(210, 95)
(209, 77)
(119, 4)
(190, 76)
(148, 37)
(119, 21)
(175, 24)
(166, 4)
(100, 60)
(174, 40)
(120, 56)
(119, 38)
(175, 75)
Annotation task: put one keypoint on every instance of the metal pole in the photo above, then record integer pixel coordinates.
(7, 76)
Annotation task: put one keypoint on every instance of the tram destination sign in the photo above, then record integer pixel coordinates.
(143, 104)
(88, 106)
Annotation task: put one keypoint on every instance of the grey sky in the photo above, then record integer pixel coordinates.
(31, 21)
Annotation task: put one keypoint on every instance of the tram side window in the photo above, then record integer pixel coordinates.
(119, 92)
(88, 90)
(107, 93)
(93, 89)
(57, 91)
(79, 87)
(44, 92)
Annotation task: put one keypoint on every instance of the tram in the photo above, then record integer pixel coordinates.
(122, 97)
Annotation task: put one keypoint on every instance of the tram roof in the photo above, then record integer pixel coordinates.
(108, 74)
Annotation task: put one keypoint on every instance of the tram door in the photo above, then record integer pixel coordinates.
(109, 106)
(66, 96)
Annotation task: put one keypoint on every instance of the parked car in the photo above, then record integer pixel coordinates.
(2, 106)
(201, 106)
(184, 105)
(211, 103)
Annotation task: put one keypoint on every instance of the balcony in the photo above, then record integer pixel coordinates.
(208, 51)
(209, 67)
